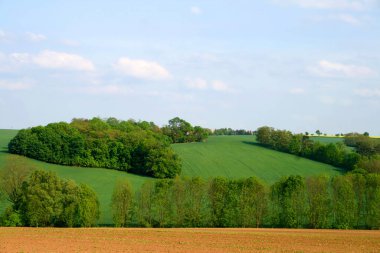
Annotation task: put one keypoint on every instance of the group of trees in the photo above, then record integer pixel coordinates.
(349, 201)
(230, 131)
(368, 148)
(137, 147)
(336, 154)
(40, 199)
(181, 131)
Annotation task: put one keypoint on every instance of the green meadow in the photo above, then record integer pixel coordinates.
(227, 156)
(241, 156)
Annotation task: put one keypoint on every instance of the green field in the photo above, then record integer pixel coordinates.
(228, 156)
(324, 139)
(240, 156)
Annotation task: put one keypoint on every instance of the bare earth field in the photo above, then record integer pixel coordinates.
(186, 240)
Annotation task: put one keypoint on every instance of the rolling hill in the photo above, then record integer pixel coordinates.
(228, 156)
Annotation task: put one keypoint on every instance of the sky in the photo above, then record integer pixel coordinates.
(299, 65)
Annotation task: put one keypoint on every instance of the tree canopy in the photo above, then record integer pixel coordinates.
(137, 147)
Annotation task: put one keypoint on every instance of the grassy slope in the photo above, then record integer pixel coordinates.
(327, 140)
(239, 156)
(229, 156)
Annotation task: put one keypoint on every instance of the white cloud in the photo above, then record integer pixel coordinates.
(142, 69)
(355, 5)
(14, 86)
(367, 92)
(296, 91)
(61, 60)
(333, 69)
(35, 37)
(20, 58)
(195, 10)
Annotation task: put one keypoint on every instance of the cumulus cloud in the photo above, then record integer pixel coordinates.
(334, 69)
(142, 69)
(35, 37)
(355, 5)
(14, 86)
(60, 60)
(195, 10)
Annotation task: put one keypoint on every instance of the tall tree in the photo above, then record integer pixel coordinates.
(319, 201)
(122, 203)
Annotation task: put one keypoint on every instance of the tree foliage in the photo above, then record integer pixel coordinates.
(122, 197)
(181, 131)
(335, 154)
(46, 200)
(137, 147)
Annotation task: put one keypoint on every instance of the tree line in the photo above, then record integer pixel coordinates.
(137, 147)
(336, 154)
(351, 201)
(343, 202)
(230, 131)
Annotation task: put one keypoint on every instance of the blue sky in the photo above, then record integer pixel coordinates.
(300, 65)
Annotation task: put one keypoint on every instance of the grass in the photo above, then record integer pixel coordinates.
(241, 156)
(326, 139)
(228, 156)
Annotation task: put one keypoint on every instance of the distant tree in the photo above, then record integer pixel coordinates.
(121, 204)
(264, 135)
(366, 134)
(307, 133)
(181, 131)
(318, 132)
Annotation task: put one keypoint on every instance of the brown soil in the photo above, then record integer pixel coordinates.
(186, 240)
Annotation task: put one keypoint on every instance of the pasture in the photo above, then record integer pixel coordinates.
(241, 156)
(186, 240)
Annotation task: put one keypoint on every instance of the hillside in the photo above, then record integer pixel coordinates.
(228, 156)
(240, 156)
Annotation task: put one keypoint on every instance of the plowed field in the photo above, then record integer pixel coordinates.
(186, 240)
